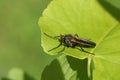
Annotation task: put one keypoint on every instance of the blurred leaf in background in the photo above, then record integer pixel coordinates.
(20, 37)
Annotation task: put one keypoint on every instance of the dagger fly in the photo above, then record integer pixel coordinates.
(72, 41)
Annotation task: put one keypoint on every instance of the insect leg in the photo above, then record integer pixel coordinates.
(55, 47)
(76, 35)
(62, 50)
(55, 37)
(86, 51)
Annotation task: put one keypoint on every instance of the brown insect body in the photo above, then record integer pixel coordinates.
(73, 41)
(69, 40)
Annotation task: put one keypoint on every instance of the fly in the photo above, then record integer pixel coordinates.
(69, 40)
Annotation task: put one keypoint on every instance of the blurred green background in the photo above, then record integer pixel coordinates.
(20, 37)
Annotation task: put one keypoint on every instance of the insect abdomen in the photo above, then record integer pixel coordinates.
(87, 44)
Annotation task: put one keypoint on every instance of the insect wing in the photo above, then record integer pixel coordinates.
(85, 43)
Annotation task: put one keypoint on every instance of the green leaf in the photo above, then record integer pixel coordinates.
(90, 19)
(107, 62)
(105, 69)
(85, 18)
(66, 68)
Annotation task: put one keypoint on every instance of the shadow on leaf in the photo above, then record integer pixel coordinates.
(28, 77)
(79, 65)
(53, 72)
(5, 78)
(70, 65)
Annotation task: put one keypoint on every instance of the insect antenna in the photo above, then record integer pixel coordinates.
(53, 37)
(62, 50)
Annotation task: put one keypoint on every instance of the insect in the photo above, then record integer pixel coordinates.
(72, 41)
